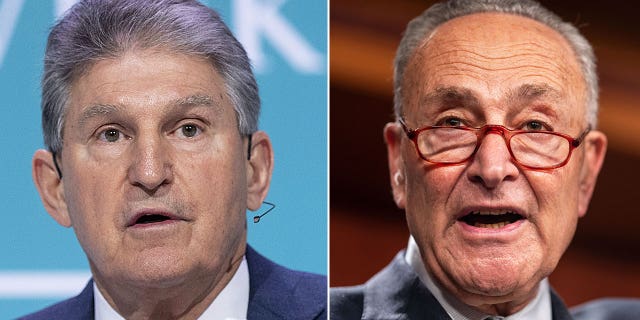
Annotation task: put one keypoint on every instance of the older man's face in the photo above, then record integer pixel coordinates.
(154, 170)
(506, 70)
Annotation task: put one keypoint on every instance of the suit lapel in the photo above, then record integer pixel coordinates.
(396, 292)
(259, 287)
(85, 302)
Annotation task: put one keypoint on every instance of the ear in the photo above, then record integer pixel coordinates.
(259, 169)
(397, 174)
(50, 187)
(595, 148)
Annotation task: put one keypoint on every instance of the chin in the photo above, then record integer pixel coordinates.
(497, 278)
(157, 270)
(160, 275)
(493, 287)
(478, 291)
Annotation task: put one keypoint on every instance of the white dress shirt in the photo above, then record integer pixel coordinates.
(538, 309)
(230, 304)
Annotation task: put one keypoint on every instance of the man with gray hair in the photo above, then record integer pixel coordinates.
(150, 112)
(493, 156)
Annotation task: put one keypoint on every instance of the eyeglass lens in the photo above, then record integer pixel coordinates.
(533, 149)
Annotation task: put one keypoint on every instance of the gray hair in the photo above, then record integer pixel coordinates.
(94, 30)
(422, 26)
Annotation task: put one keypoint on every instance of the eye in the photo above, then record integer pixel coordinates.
(190, 130)
(110, 135)
(535, 125)
(451, 122)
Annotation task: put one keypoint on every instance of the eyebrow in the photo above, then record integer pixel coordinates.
(529, 92)
(98, 110)
(452, 95)
(193, 100)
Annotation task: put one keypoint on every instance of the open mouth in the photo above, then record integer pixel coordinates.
(151, 218)
(491, 220)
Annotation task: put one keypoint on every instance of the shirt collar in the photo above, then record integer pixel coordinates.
(538, 308)
(230, 304)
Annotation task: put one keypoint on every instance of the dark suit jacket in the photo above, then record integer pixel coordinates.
(275, 292)
(608, 309)
(397, 293)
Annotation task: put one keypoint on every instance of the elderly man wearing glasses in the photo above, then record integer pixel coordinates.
(493, 156)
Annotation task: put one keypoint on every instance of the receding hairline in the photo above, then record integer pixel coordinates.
(545, 32)
(557, 37)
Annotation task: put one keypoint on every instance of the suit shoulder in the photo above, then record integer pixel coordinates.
(79, 307)
(285, 293)
(47, 313)
(608, 309)
(60, 310)
(346, 302)
(264, 273)
(290, 295)
(308, 285)
(311, 290)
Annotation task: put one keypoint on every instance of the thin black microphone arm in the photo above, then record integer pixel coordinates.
(256, 219)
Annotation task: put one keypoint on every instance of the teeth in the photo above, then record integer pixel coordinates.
(491, 219)
(491, 213)
(490, 226)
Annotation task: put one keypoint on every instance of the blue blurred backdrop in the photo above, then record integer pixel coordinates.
(41, 262)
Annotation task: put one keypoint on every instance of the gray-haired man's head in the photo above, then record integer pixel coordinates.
(425, 24)
(94, 30)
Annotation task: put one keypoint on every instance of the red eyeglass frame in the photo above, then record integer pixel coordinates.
(503, 131)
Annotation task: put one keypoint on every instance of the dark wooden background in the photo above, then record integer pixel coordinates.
(366, 230)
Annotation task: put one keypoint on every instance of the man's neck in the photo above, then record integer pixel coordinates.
(187, 299)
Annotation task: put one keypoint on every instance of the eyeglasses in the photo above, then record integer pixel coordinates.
(536, 150)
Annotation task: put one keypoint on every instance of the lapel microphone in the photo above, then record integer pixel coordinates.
(256, 219)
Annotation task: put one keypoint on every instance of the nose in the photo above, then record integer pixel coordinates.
(151, 164)
(492, 163)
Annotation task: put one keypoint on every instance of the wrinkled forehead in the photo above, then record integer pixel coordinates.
(142, 81)
(494, 54)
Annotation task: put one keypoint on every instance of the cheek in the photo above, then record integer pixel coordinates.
(428, 191)
(557, 196)
(221, 172)
(217, 191)
(89, 192)
(216, 182)
(95, 204)
(429, 185)
(557, 192)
